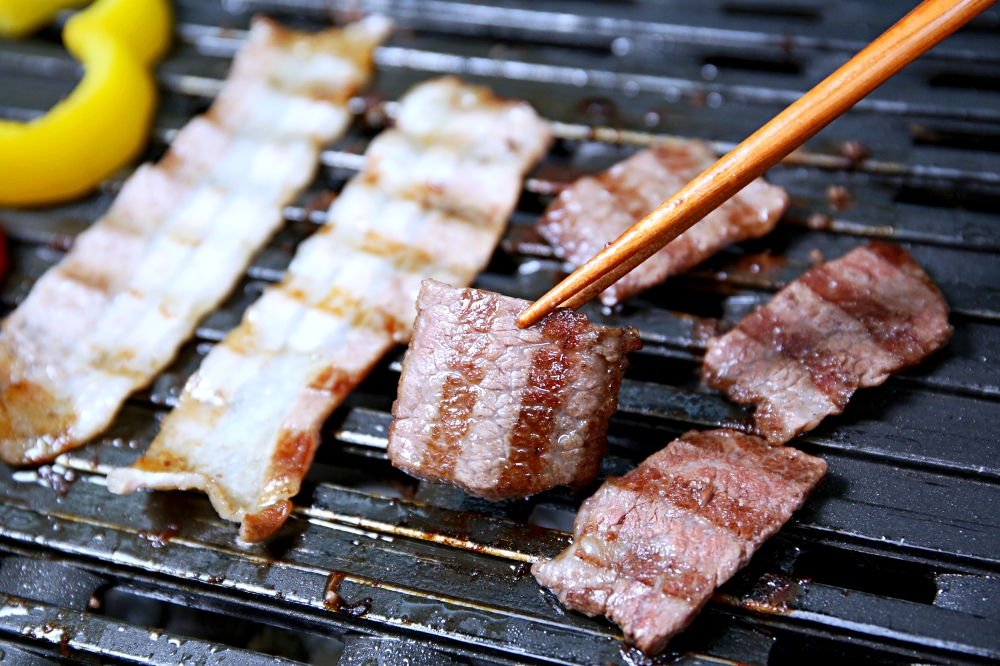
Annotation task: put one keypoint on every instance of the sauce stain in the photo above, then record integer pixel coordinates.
(332, 600)
(159, 539)
(838, 198)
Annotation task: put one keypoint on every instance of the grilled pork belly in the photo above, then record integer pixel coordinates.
(112, 314)
(248, 421)
(649, 548)
(842, 326)
(598, 209)
(499, 411)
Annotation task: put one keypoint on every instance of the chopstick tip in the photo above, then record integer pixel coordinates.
(531, 315)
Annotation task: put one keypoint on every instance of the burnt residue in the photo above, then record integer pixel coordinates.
(374, 117)
(839, 198)
(855, 151)
(333, 600)
(773, 594)
(159, 539)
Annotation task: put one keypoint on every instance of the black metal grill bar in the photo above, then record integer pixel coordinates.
(395, 57)
(912, 488)
(885, 437)
(388, 57)
(585, 28)
(307, 573)
(33, 621)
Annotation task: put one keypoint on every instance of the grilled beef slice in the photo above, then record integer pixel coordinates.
(499, 411)
(649, 548)
(842, 326)
(598, 209)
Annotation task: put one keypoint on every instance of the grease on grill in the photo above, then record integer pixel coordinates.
(839, 198)
(333, 601)
(761, 269)
(855, 151)
(774, 594)
(159, 539)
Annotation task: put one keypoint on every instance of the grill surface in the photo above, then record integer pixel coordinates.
(894, 560)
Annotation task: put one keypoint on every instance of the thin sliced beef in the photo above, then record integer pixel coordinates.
(499, 411)
(842, 326)
(649, 548)
(597, 210)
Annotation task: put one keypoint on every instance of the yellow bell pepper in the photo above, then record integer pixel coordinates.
(104, 122)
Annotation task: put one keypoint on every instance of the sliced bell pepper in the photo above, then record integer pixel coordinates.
(104, 122)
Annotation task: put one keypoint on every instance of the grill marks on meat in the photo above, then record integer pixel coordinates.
(499, 411)
(532, 435)
(108, 317)
(649, 548)
(598, 209)
(475, 316)
(841, 326)
(261, 395)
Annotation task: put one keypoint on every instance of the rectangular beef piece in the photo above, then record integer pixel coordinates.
(649, 548)
(499, 411)
(842, 326)
(598, 209)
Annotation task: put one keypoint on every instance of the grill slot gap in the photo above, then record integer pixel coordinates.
(772, 11)
(988, 23)
(938, 196)
(794, 650)
(218, 628)
(983, 82)
(866, 573)
(772, 66)
(946, 137)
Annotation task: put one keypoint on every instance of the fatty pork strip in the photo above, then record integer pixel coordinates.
(499, 411)
(432, 201)
(649, 548)
(108, 317)
(598, 209)
(839, 327)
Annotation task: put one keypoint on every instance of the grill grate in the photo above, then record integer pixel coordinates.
(894, 560)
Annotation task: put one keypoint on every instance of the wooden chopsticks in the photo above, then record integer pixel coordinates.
(914, 34)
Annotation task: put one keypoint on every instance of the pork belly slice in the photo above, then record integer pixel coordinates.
(649, 548)
(112, 314)
(261, 395)
(842, 326)
(499, 411)
(598, 209)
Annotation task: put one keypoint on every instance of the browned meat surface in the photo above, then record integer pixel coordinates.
(597, 210)
(499, 411)
(650, 547)
(842, 326)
